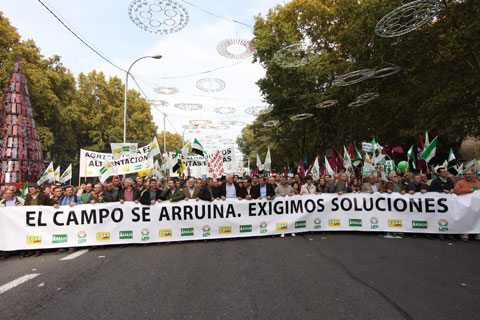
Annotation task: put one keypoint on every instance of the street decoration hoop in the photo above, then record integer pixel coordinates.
(221, 127)
(407, 18)
(211, 84)
(387, 71)
(166, 90)
(224, 110)
(227, 122)
(301, 116)
(326, 104)
(258, 110)
(207, 127)
(193, 131)
(213, 136)
(226, 140)
(158, 16)
(295, 55)
(363, 99)
(190, 126)
(188, 106)
(158, 103)
(271, 123)
(353, 77)
(224, 49)
(199, 122)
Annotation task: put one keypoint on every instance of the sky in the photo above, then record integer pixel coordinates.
(188, 55)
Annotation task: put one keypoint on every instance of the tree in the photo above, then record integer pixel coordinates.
(174, 141)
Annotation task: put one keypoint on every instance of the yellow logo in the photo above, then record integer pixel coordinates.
(334, 223)
(34, 239)
(225, 230)
(165, 233)
(281, 226)
(103, 236)
(394, 223)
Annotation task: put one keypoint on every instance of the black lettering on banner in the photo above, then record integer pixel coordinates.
(262, 206)
(365, 206)
(187, 211)
(176, 213)
(441, 203)
(429, 205)
(55, 221)
(87, 219)
(136, 215)
(103, 214)
(310, 205)
(397, 201)
(320, 205)
(72, 218)
(355, 205)
(164, 214)
(297, 206)
(218, 209)
(146, 214)
(389, 204)
(334, 204)
(120, 216)
(30, 218)
(377, 205)
(342, 204)
(276, 209)
(416, 204)
(251, 209)
(231, 211)
(197, 214)
(40, 223)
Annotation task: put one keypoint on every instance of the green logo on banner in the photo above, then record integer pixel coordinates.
(317, 223)
(300, 224)
(138, 167)
(355, 222)
(59, 238)
(125, 235)
(185, 232)
(419, 224)
(206, 230)
(246, 228)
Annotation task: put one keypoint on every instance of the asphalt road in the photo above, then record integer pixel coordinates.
(310, 276)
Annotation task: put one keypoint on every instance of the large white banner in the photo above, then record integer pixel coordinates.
(115, 223)
(199, 164)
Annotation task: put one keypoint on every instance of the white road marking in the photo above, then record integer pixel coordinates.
(17, 282)
(75, 255)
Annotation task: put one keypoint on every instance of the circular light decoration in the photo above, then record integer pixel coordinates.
(258, 110)
(199, 122)
(207, 127)
(221, 127)
(188, 106)
(385, 72)
(271, 123)
(407, 18)
(224, 110)
(353, 77)
(226, 140)
(166, 90)
(363, 99)
(190, 127)
(239, 123)
(158, 16)
(326, 104)
(211, 84)
(213, 136)
(158, 103)
(193, 131)
(223, 48)
(227, 122)
(295, 55)
(301, 116)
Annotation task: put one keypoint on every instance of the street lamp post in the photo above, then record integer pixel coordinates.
(125, 97)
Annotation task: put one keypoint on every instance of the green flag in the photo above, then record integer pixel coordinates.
(429, 151)
(24, 190)
(358, 158)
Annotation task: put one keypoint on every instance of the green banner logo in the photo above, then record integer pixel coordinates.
(419, 224)
(186, 232)
(59, 238)
(300, 224)
(246, 228)
(125, 235)
(355, 222)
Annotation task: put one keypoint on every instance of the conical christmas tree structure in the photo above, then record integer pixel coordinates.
(20, 154)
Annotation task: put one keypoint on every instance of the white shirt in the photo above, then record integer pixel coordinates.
(230, 191)
(374, 187)
(191, 191)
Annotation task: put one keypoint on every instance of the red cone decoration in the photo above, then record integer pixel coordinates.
(20, 154)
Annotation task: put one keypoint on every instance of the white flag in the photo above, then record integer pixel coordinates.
(120, 150)
(259, 163)
(268, 161)
(347, 161)
(154, 148)
(316, 169)
(66, 175)
(57, 174)
(48, 175)
(329, 168)
(106, 171)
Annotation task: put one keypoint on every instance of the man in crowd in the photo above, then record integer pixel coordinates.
(35, 197)
(129, 192)
(171, 192)
(110, 194)
(97, 194)
(417, 185)
(465, 186)
(254, 180)
(246, 189)
(372, 185)
(57, 194)
(394, 184)
(230, 189)
(209, 192)
(11, 199)
(68, 199)
(117, 184)
(191, 191)
(297, 179)
(87, 194)
(273, 182)
(284, 189)
(441, 183)
(309, 187)
(140, 185)
(263, 190)
(151, 194)
(339, 185)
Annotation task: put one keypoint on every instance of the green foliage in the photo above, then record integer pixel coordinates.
(437, 89)
(174, 141)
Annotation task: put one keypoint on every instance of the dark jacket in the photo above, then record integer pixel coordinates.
(146, 199)
(136, 194)
(417, 187)
(176, 196)
(111, 196)
(438, 185)
(341, 186)
(255, 192)
(206, 195)
(243, 192)
(223, 189)
(42, 200)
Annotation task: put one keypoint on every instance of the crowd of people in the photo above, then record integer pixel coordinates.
(149, 191)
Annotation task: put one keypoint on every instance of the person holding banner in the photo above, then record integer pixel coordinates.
(11, 199)
(35, 197)
(284, 188)
(246, 189)
(57, 194)
(68, 198)
(129, 193)
(97, 194)
(394, 185)
(191, 191)
(417, 185)
(230, 189)
(340, 185)
(372, 185)
(171, 192)
(209, 192)
(442, 183)
(110, 194)
(151, 194)
(308, 188)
